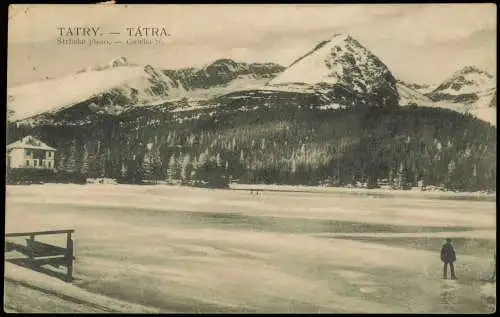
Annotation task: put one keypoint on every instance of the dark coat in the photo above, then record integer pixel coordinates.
(448, 253)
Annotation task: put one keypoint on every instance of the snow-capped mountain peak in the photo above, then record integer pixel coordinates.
(342, 63)
(468, 90)
(469, 79)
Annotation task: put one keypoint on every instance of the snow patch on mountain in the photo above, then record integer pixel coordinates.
(195, 107)
(290, 87)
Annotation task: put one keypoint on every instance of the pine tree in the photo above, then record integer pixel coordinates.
(172, 166)
(391, 177)
(154, 161)
(146, 168)
(194, 168)
(199, 168)
(104, 163)
(169, 139)
(450, 173)
(186, 168)
(85, 161)
(218, 160)
(123, 170)
(72, 162)
(233, 144)
(60, 160)
(401, 177)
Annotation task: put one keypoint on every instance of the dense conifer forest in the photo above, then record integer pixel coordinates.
(402, 147)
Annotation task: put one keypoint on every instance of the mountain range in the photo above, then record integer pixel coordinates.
(338, 71)
(332, 101)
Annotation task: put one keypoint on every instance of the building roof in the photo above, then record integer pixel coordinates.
(30, 142)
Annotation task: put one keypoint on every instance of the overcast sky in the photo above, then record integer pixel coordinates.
(418, 42)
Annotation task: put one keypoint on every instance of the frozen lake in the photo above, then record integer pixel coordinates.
(199, 250)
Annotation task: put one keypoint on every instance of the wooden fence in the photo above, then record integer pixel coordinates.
(40, 253)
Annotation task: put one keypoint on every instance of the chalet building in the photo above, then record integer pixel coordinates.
(32, 153)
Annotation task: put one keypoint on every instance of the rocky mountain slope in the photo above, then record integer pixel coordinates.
(340, 73)
(224, 76)
(463, 85)
(469, 90)
(421, 88)
(344, 71)
(110, 88)
(410, 95)
(119, 85)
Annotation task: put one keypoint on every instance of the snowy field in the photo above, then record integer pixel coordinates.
(175, 249)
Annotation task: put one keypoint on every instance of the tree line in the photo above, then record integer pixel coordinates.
(400, 147)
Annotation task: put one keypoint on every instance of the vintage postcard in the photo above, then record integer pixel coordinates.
(251, 158)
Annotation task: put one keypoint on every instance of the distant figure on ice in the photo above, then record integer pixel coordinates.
(448, 257)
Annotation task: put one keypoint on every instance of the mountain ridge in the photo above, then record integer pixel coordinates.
(340, 71)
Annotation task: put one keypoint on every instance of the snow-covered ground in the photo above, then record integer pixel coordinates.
(36, 291)
(201, 250)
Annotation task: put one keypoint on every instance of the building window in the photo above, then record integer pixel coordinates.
(49, 164)
(35, 162)
(27, 162)
(27, 152)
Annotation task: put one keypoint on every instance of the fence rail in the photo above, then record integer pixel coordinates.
(39, 233)
(40, 253)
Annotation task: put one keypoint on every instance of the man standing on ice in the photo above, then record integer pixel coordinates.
(448, 257)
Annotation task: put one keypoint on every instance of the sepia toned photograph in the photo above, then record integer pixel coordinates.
(247, 158)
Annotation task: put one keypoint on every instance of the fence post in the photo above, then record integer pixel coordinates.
(69, 256)
(30, 250)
